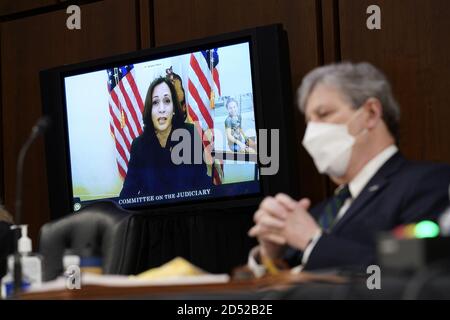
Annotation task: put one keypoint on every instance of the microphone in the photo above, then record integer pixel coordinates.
(40, 127)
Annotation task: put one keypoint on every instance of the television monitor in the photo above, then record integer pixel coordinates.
(202, 124)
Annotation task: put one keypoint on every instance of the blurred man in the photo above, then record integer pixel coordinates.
(352, 128)
(6, 237)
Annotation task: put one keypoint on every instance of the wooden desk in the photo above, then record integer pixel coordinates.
(278, 282)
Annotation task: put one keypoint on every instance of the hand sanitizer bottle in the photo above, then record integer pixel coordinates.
(31, 265)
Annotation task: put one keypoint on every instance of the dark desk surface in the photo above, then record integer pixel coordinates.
(237, 289)
(304, 286)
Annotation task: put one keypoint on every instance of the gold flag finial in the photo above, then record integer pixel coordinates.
(122, 119)
(211, 99)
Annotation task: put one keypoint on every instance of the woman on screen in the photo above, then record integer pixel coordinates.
(151, 170)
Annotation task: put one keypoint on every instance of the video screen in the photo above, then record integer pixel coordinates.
(171, 130)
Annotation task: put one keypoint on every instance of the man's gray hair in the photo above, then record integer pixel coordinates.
(357, 82)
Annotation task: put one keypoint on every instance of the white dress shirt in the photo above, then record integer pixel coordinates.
(355, 186)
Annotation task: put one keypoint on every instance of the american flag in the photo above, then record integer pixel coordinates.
(203, 86)
(125, 109)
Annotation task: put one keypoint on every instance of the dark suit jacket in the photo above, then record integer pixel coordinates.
(400, 192)
(152, 172)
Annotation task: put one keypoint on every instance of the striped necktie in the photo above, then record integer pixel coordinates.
(327, 219)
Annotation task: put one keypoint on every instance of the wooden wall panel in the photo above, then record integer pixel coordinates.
(412, 48)
(31, 44)
(146, 33)
(185, 20)
(13, 6)
(330, 30)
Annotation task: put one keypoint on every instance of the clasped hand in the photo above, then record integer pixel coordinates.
(281, 221)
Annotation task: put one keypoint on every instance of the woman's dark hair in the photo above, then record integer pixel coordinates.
(177, 120)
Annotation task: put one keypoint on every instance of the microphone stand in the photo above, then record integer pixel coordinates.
(37, 130)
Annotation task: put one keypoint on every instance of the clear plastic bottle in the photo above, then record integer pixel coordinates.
(31, 265)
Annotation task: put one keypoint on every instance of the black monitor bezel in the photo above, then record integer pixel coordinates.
(52, 86)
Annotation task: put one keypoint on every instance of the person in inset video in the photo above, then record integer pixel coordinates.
(237, 140)
(151, 170)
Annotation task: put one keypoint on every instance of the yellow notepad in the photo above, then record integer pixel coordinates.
(175, 267)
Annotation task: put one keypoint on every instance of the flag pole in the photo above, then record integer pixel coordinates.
(122, 115)
(211, 79)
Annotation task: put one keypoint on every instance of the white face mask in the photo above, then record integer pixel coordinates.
(330, 145)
